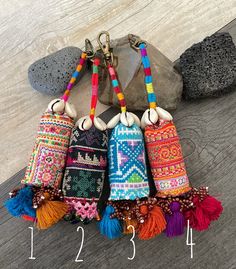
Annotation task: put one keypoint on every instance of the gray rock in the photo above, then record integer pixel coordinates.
(51, 74)
(167, 82)
(209, 67)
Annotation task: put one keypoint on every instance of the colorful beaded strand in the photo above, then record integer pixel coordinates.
(148, 76)
(116, 88)
(94, 97)
(74, 77)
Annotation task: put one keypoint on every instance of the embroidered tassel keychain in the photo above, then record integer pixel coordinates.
(86, 162)
(129, 188)
(178, 199)
(40, 199)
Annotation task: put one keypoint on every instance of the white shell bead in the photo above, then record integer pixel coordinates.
(70, 110)
(99, 124)
(136, 119)
(163, 114)
(57, 105)
(113, 122)
(149, 117)
(84, 123)
(143, 124)
(127, 119)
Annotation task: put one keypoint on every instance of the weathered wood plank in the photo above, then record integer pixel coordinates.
(207, 129)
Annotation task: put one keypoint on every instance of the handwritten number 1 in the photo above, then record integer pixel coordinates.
(32, 244)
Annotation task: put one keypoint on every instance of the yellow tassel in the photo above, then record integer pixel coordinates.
(50, 212)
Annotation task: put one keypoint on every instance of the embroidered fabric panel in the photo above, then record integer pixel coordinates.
(127, 165)
(166, 159)
(85, 208)
(86, 164)
(47, 161)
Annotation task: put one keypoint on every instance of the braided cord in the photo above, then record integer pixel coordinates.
(116, 88)
(148, 76)
(94, 97)
(74, 77)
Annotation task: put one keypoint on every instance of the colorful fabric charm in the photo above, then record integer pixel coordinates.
(40, 199)
(86, 162)
(127, 173)
(177, 198)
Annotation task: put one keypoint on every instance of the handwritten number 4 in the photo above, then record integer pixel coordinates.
(191, 244)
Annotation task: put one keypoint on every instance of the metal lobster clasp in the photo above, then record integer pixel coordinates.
(135, 41)
(105, 46)
(89, 49)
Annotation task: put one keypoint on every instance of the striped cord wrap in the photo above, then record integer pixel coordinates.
(74, 76)
(148, 76)
(94, 97)
(116, 88)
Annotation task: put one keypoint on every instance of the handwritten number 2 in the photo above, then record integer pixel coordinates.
(81, 245)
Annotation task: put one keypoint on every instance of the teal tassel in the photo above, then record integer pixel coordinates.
(109, 227)
(22, 203)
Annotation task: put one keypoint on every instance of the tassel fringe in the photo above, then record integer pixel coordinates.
(50, 212)
(110, 227)
(203, 212)
(154, 224)
(175, 221)
(21, 204)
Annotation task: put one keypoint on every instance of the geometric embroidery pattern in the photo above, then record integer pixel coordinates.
(166, 159)
(47, 161)
(127, 165)
(86, 164)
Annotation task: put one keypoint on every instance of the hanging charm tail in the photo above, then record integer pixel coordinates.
(128, 202)
(86, 162)
(179, 201)
(47, 163)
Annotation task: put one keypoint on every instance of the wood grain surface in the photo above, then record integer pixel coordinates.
(30, 30)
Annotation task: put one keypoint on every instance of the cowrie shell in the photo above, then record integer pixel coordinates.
(163, 114)
(127, 119)
(70, 110)
(57, 105)
(84, 123)
(143, 124)
(149, 117)
(136, 119)
(99, 124)
(113, 122)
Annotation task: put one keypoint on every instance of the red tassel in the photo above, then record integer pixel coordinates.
(154, 224)
(29, 218)
(203, 212)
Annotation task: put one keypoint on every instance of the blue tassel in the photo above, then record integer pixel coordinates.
(22, 203)
(111, 228)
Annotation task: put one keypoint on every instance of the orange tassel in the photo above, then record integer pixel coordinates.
(50, 212)
(154, 224)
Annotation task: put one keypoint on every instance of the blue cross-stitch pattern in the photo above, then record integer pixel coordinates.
(127, 164)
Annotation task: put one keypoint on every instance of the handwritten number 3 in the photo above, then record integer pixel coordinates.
(81, 245)
(132, 240)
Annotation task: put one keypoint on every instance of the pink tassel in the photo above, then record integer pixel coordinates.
(203, 212)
